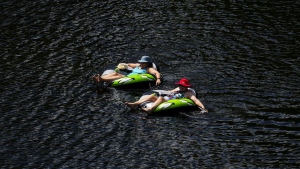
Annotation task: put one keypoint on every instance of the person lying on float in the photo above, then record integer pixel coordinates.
(144, 65)
(179, 92)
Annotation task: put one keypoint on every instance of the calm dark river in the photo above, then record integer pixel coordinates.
(241, 56)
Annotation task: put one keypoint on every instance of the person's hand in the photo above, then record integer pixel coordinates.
(158, 82)
(122, 66)
(203, 110)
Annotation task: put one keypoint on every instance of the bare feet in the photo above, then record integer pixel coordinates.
(131, 105)
(96, 78)
(147, 110)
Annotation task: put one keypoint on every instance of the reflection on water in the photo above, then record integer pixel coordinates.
(241, 57)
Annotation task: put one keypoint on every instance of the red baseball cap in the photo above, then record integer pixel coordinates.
(184, 82)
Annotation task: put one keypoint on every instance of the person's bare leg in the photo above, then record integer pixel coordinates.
(111, 77)
(146, 98)
(158, 101)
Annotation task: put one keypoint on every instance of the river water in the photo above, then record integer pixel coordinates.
(241, 56)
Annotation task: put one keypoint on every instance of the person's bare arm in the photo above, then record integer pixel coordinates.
(175, 90)
(156, 74)
(133, 65)
(196, 101)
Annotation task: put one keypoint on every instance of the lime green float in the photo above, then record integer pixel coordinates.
(134, 81)
(171, 106)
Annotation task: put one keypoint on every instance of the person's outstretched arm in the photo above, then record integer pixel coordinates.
(197, 102)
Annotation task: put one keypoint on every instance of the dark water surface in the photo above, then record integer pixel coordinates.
(242, 57)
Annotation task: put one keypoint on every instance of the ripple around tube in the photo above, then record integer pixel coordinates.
(240, 56)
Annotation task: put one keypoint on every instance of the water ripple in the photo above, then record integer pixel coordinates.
(240, 57)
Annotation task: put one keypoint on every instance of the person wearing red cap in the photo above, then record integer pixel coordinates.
(179, 92)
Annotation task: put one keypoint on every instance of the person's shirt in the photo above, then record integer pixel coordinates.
(175, 95)
(137, 70)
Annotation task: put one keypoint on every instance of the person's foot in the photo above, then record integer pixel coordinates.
(96, 78)
(147, 110)
(131, 105)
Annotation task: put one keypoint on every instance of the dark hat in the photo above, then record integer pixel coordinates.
(145, 59)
